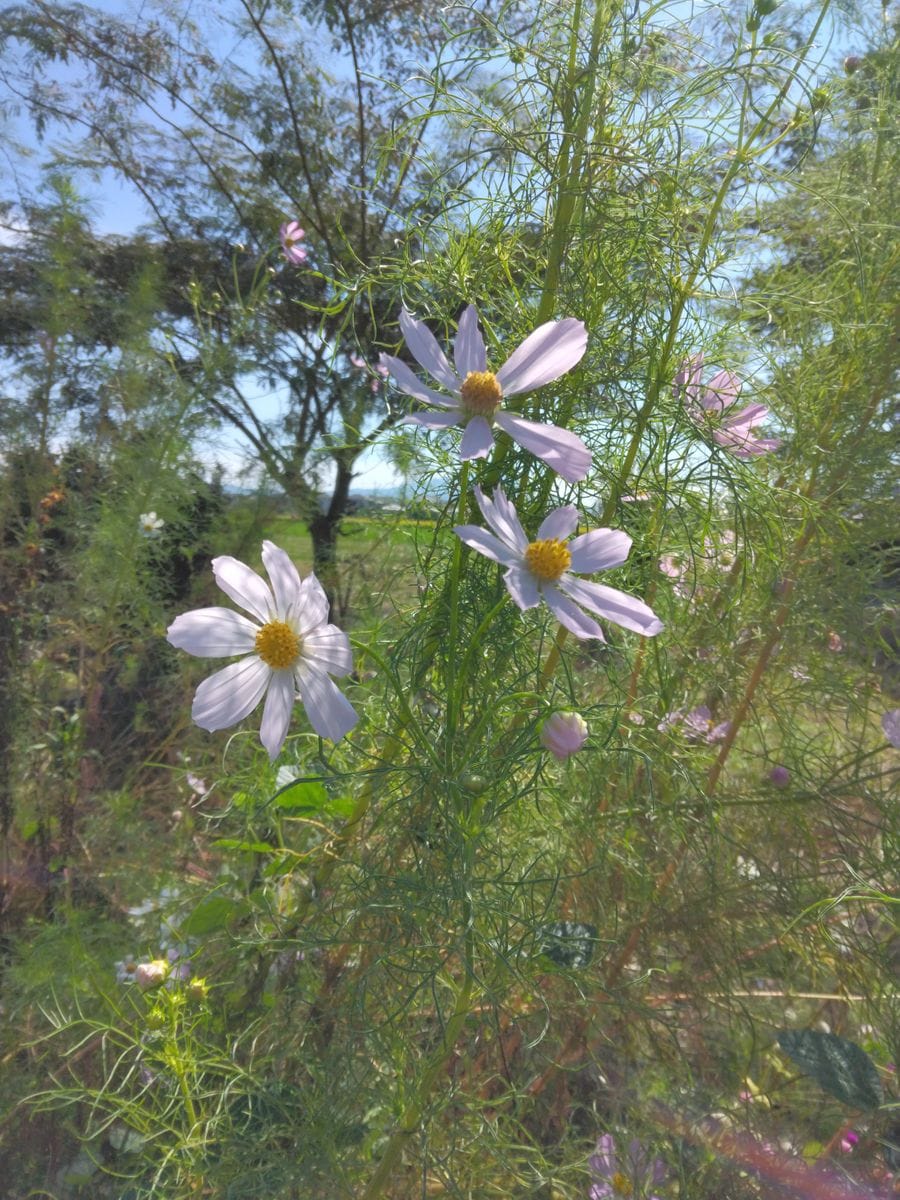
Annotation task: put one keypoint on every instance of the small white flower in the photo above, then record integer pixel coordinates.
(746, 867)
(125, 970)
(150, 524)
(288, 647)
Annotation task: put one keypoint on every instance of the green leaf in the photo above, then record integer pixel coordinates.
(308, 794)
(840, 1067)
(215, 912)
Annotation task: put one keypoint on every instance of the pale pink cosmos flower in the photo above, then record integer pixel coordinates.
(540, 570)
(564, 734)
(290, 235)
(617, 1174)
(707, 407)
(288, 646)
(697, 725)
(672, 567)
(477, 394)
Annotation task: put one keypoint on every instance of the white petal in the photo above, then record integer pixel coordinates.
(570, 614)
(244, 586)
(284, 576)
(312, 606)
(598, 550)
(546, 354)
(523, 587)
(276, 718)
(615, 606)
(502, 517)
(488, 545)
(229, 695)
(477, 441)
(426, 351)
(559, 524)
(443, 420)
(468, 349)
(413, 385)
(559, 449)
(330, 712)
(328, 649)
(213, 633)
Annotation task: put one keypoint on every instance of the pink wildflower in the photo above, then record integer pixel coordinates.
(290, 235)
(709, 409)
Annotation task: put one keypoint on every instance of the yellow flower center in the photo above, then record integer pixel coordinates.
(548, 559)
(277, 645)
(621, 1184)
(481, 394)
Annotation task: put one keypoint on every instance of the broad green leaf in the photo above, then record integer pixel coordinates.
(215, 912)
(840, 1067)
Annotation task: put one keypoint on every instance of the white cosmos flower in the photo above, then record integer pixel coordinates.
(288, 646)
(150, 524)
(477, 394)
(540, 570)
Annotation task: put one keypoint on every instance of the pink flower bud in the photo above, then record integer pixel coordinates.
(780, 776)
(564, 734)
(151, 974)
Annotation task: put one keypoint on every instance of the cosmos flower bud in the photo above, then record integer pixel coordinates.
(780, 776)
(151, 974)
(564, 734)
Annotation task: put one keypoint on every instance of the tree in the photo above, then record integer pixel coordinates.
(309, 120)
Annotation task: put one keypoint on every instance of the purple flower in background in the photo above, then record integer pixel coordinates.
(564, 734)
(890, 723)
(477, 394)
(710, 407)
(290, 235)
(780, 776)
(539, 570)
(697, 724)
(631, 1174)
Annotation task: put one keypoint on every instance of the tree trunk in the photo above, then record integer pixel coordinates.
(323, 530)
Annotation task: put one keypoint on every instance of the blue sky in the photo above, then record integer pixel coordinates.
(117, 208)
